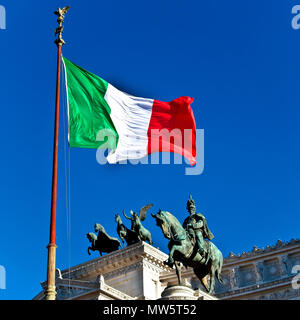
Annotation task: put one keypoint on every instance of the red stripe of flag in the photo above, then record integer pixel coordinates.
(176, 117)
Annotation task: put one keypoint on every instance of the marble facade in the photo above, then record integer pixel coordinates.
(137, 272)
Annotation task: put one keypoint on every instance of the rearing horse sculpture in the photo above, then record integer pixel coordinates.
(102, 242)
(182, 250)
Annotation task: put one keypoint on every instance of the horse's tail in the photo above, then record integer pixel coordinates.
(217, 260)
(218, 275)
(219, 267)
(150, 239)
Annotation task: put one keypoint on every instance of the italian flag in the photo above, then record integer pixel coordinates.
(101, 116)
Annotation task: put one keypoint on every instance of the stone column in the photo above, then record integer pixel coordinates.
(234, 278)
(285, 265)
(259, 271)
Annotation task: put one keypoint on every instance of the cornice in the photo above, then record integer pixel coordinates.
(257, 253)
(256, 289)
(118, 260)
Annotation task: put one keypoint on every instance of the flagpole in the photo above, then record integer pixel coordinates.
(50, 292)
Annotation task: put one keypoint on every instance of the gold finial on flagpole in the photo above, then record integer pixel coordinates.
(60, 20)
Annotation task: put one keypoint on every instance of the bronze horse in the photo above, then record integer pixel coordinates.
(102, 242)
(124, 233)
(183, 250)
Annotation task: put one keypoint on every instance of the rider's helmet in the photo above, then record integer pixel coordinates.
(190, 205)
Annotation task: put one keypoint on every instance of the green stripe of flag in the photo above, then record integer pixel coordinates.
(88, 110)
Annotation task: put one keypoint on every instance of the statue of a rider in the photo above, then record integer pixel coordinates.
(136, 226)
(197, 229)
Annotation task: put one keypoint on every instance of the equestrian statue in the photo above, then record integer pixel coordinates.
(190, 245)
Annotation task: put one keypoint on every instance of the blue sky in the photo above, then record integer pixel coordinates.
(239, 60)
